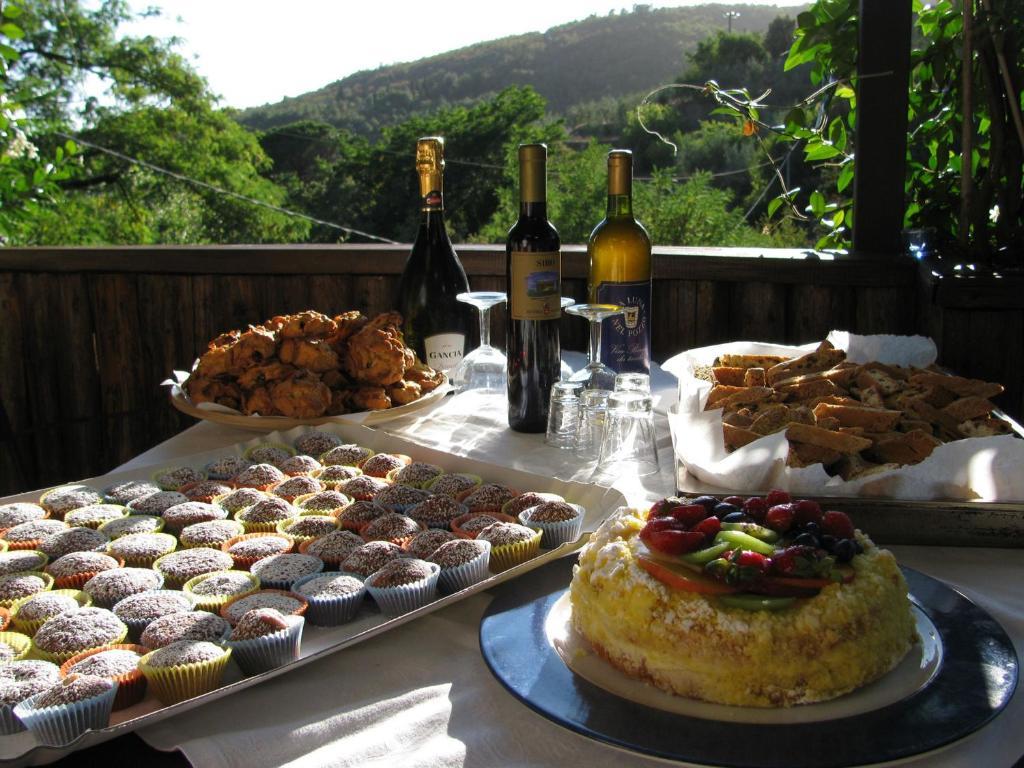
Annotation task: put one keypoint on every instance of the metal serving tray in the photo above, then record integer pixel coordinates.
(317, 642)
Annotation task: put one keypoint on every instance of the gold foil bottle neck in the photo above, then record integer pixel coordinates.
(430, 166)
(533, 160)
(620, 172)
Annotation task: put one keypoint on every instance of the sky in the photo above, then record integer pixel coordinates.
(255, 52)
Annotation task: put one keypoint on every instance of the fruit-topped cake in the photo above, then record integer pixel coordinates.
(758, 602)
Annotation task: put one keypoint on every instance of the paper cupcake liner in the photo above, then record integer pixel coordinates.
(268, 444)
(466, 575)
(3, 545)
(9, 722)
(20, 642)
(56, 726)
(78, 580)
(286, 584)
(300, 611)
(29, 627)
(508, 555)
(244, 563)
(131, 687)
(251, 527)
(9, 602)
(5, 619)
(164, 487)
(159, 525)
(284, 525)
(330, 611)
(555, 534)
(213, 603)
(332, 485)
(174, 684)
(261, 654)
(137, 626)
(458, 521)
(394, 601)
(170, 581)
(147, 561)
(95, 524)
(15, 546)
(59, 657)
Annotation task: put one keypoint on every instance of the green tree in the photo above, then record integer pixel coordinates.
(155, 114)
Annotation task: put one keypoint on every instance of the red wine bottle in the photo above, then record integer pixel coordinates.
(534, 272)
(436, 325)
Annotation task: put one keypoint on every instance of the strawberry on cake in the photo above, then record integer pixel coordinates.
(748, 602)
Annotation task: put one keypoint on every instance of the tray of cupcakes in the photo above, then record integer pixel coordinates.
(131, 597)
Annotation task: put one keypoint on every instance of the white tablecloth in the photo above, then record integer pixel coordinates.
(422, 695)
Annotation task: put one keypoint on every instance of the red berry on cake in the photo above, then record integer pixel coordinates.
(776, 496)
(780, 517)
(837, 524)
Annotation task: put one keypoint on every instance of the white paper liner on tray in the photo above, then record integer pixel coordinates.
(365, 625)
(976, 468)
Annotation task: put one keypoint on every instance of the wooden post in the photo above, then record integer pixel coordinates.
(883, 68)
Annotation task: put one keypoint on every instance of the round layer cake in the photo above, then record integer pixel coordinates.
(636, 607)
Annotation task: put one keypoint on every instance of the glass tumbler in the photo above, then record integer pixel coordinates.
(593, 406)
(628, 444)
(633, 382)
(563, 414)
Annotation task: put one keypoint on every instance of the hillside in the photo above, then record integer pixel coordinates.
(573, 64)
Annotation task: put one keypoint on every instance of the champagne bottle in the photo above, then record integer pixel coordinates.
(533, 266)
(619, 251)
(436, 325)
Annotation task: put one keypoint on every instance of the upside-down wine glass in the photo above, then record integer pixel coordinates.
(484, 368)
(596, 375)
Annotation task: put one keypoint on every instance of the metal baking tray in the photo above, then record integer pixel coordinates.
(317, 642)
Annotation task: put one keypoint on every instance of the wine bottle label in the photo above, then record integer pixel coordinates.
(536, 285)
(626, 339)
(444, 350)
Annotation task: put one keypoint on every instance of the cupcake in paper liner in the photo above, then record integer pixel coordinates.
(469, 525)
(404, 585)
(336, 474)
(141, 550)
(22, 584)
(264, 639)
(20, 512)
(211, 590)
(307, 527)
(559, 522)
(437, 512)
(29, 613)
(184, 669)
(301, 464)
(212, 533)
(316, 442)
(264, 515)
(14, 646)
(174, 478)
(119, 663)
(281, 571)
(511, 544)
(463, 563)
(126, 526)
(514, 506)
(75, 569)
(206, 491)
(251, 547)
(128, 491)
(63, 712)
(400, 498)
(381, 464)
(95, 515)
(334, 598)
(30, 534)
(189, 625)
(454, 484)
(291, 488)
(68, 634)
(260, 477)
(226, 467)
(18, 681)
(393, 527)
(285, 602)
(62, 499)
(22, 560)
(489, 497)
(348, 454)
(327, 502)
(138, 611)
(269, 453)
(333, 548)
(418, 474)
(178, 567)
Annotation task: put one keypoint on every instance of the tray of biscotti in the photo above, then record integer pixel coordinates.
(308, 369)
(870, 423)
(127, 598)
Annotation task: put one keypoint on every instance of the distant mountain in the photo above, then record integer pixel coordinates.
(585, 61)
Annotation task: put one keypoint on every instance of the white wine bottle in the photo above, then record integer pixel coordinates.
(534, 270)
(436, 325)
(619, 251)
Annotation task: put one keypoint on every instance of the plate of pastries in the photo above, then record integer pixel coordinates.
(309, 368)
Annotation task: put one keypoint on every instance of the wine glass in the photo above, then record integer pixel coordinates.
(596, 375)
(484, 368)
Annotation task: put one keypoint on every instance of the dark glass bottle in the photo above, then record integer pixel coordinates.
(620, 273)
(534, 271)
(436, 325)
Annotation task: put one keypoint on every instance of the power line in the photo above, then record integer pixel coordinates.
(222, 191)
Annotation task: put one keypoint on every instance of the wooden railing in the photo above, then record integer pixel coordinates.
(88, 334)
